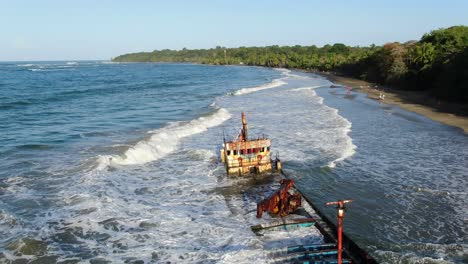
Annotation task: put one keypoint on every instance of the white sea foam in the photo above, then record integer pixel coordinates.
(7, 219)
(306, 88)
(272, 84)
(349, 149)
(72, 63)
(59, 68)
(184, 208)
(343, 144)
(174, 204)
(303, 128)
(15, 180)
(181, 208)
(25, 65)
(289, 74)
(170, 204)
(282, 70)
(165, 140)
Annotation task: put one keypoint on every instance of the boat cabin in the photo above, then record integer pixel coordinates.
(244, 155)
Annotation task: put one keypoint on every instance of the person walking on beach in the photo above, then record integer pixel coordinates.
(381, 97)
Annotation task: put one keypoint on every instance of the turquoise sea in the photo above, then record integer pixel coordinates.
(104, 162)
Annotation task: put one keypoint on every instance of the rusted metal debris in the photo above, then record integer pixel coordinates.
(282, 202)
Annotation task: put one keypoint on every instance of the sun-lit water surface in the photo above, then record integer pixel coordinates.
(118, 162)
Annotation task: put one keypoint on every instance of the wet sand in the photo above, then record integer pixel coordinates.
(419, 102)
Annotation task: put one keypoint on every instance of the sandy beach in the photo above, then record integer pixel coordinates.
(419, 102)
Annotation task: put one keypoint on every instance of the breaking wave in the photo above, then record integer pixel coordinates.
(288, 74)
(349, 148)
(62, 68)
(272, 84)
(338, 142)
(306, 88)
(164, 140)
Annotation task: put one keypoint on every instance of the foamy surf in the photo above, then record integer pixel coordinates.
(164, 140)
(283, 70)
(272, 84)
(305, 88)
(288, 74)
(182, 208)
(343, 146)
(349, 148)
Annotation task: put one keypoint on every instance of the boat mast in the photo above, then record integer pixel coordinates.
(245, 129)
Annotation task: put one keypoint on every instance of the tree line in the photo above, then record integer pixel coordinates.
(437, 63)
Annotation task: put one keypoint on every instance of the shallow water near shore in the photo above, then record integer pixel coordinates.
(119, 162)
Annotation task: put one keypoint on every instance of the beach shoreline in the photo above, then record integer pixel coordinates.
(448, 113)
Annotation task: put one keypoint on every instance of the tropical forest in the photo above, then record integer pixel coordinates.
(437, 63)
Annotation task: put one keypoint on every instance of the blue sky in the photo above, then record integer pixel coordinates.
(101, 29)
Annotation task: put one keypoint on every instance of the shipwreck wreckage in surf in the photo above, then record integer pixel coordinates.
(289, 208)
(245, 156)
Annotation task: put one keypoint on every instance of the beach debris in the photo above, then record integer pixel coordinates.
(285, 224)
(282, 202)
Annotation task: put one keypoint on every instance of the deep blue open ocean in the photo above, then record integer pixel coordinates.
(118, 163)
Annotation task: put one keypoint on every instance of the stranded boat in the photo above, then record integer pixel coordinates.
(290, 209)
(245, 156)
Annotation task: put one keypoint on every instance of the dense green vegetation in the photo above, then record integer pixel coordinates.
(438, 62)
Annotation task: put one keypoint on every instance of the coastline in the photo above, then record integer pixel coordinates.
(451, 114)
(419, 102)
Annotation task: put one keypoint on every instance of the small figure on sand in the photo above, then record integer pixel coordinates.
(348, 89)
(381, 97)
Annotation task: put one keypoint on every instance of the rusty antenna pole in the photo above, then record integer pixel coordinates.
(245, 128)
(340, 210)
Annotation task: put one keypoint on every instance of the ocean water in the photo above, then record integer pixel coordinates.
(118, 163)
